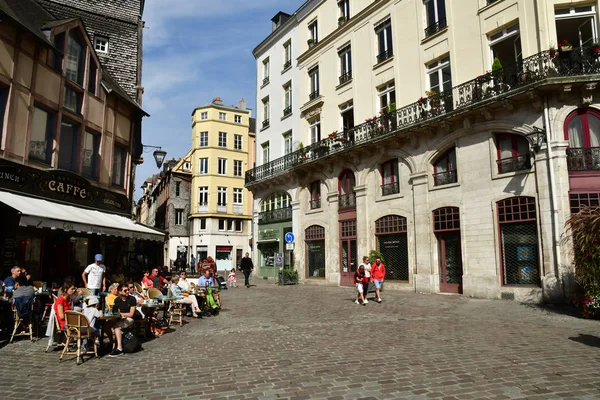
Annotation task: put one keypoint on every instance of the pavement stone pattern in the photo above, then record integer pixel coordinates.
(313, 342)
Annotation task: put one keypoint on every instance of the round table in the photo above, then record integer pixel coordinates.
(165, 299)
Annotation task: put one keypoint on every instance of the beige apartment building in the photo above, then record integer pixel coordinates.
(453, 137)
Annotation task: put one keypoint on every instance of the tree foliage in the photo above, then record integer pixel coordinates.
(584, 228)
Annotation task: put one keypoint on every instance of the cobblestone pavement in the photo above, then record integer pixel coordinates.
(305, 342)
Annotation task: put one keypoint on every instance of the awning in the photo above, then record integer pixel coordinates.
(41, 213)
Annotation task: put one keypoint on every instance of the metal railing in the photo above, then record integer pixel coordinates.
(476, 93)
(445, 178)
(265, 123)
(513, 164)
(438, 26)
(265, 81)
(313, 95)
(278, 215)
(314, 204)
(345, 77)
(583, 159)
(287, 64)
(346, 201)
(287, 111)
(390, 188)
(381, 57)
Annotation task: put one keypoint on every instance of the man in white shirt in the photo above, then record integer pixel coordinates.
(94, 276)
(183, 282)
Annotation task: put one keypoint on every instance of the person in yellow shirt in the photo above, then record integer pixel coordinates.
(113, 293)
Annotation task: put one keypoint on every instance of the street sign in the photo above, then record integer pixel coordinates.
(289, 237)
(289, 246)
(279, 259)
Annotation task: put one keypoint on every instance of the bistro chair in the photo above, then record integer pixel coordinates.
(48, 306)
(77, 328)
(24, 321)
(138, 288)
(85, 291)
(38, 284)
(154, 292)
(175, 310)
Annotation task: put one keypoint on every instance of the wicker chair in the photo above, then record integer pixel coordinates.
(77, 327)
(139, 289)
(85, 291)
(153, 292)
(175, 311)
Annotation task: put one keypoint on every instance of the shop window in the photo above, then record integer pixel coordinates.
(389, 178)
(91, 146)
(68, 150)
(581, 200)
(519, 241)
(444, 169)
(42, 132)
(314, 238)
(512, 153)
(118, 167)
(392, 243)
(315, 195)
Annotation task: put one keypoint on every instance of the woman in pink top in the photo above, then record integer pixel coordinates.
(146, 281)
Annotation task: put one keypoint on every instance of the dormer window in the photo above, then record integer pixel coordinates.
(75, 58)
(101, 44)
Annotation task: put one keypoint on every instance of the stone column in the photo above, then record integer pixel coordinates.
(423, 277)
(332, 241)
(362, 223)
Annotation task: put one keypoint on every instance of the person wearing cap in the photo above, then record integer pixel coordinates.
(96, 273)
(92, 313)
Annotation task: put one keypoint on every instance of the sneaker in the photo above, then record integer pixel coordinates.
(116, 353)
(356, 302)
(379, 300)
(366, 301)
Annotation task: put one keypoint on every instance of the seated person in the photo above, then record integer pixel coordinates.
(147, 281)
(207, 280)
(63, 302)
(183, 283)
(113, 293)
(11, 281)
(23, 297)
(139, 299)
(124, 304)
(23, 289)
(176, 290)
(92, 313)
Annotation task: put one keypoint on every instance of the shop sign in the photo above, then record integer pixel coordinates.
(224, 248)
(59, 185)
(268, 234)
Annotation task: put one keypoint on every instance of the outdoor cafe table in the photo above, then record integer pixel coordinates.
(150, 306)
(104, 318)
(165, 299)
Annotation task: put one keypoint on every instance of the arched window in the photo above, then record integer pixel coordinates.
(512, 152)
(314, 238)
(347, 198)
(582, 128)
(392, 243)
(444, 168)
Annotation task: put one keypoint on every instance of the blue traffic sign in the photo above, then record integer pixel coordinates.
(289, 237)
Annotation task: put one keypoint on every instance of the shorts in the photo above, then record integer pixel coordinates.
(378, 284)
(124, 323)
(359, 287)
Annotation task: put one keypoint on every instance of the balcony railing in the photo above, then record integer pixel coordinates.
(222, 208)
(477, 93)
(265, 123)
(390, 188)
(583, 159)
(287, 111)
(435, 28)
(202, 207)
(315, 204)
(346, 77)
(287, 64)
(444, 178)
(313, 95)
(513, 164)
(278, 215)
(346, 201)
(265, 81)
(381, 57)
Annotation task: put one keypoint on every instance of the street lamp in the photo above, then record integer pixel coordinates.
(536, 137)
(159, 154)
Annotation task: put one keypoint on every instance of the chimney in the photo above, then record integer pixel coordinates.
(217, 101)
(242, 105)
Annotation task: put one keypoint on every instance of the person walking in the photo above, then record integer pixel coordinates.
(367, 278)
(378, 274)
(193, 265)
(358, 281)
(247, 267)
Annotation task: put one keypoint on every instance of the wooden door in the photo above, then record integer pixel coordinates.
(348, 261)
(450, 262)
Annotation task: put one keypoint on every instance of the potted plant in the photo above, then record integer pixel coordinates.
(552, 51)
(595, 48)
(288, 276)
(565, 46)
(301, 151)
(434, 98)
(333, 135)
(421, 101)
(310, 42)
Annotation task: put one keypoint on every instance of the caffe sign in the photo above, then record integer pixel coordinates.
(68, 189)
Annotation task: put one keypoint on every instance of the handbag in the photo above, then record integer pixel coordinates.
(131, 344)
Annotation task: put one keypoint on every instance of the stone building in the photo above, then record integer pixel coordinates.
(456, 143)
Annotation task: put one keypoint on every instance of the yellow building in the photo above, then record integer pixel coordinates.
(221, 208)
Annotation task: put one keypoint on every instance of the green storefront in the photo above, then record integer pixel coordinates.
(272, 227)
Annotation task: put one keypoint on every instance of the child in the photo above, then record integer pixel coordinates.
(231, 278)
(92, 314)
(358, 281)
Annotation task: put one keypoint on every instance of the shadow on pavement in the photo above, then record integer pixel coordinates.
(588, 340)
(561, 309)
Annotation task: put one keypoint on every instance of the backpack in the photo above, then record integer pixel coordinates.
(131, 344)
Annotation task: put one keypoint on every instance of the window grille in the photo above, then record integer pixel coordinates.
(581, 200)
(390, 224)
(446, 219)
(349, 229)
(314, 232)
(516, 209)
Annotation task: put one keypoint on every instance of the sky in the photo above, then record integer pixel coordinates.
(194, 51)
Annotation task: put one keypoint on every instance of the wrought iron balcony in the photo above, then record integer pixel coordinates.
(583, 159)
(381, 57)
(346, 77)
(390, 188)
(278, 215)
(445, 178)
(513, 164)
(315, 204)
(265, 81)
(346, 201)
(435, 28)
(287, 64)
(540, 69)
(313, 95)
(287, 111)
(265, 123)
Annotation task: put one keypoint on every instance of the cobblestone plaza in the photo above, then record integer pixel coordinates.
(308, 342)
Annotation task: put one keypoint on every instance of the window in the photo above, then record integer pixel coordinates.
(222, 139)
(3, 102)
(287, 99)
(287, 142)
(237, 196)
(445, 169)
(91, 145)
(42, 128)
(582, 130)
(384, 40)
(75, 58)
(513, 153)
(92, 77)
(266, 153)
(222, 224)
(179, 216)
(118, 167)
(55, 60)
(230, 225)
(347, 114)
(177, 188)
(577, 24)
(239, 225)
(222, 166)
(202, 197)
(345, 55)
(315, 195)
(313, 32)
(265, 112)
(237, 168)
(440, 80)
(222, 116)
(387, 95)
(346, 195)
(287, 55)
(506, 46)
(237, 119)
(203, 139)
(581, 200)
(203, 166)
(392, 243)
(344, 6)
(221, 196)
(435, 16)
(202, 224)
(266, 71)
(101, 44)
(204, 115)
(389, 178)
(67, 152)
(237, 142)
(276, 201)
(314, 237)
(72, 100)
(313, 75)
(315, 130)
